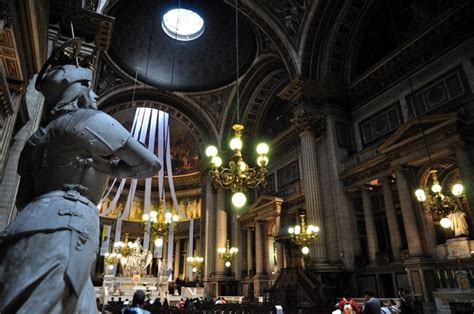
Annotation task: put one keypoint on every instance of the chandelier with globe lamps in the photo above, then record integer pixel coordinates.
(434, 200)
(237, 175)
(227, 253)
(303, 234)
(160, 223)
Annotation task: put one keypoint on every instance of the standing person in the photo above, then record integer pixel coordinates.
(46, 253)
(372, 304)
(406, 299)
(348, 302)
(137, 304)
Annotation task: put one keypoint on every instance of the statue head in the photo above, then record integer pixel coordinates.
(65, 83)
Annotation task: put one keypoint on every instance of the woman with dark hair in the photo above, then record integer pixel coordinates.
(137, 303)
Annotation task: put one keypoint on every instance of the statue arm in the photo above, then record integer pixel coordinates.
(104, 137)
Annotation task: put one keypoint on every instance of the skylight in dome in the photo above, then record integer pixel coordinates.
(183, 24)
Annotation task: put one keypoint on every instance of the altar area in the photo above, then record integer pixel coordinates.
(115, 287)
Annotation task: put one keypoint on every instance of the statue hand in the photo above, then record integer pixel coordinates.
(82, 162)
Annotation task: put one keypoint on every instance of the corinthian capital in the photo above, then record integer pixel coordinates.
(305, 121)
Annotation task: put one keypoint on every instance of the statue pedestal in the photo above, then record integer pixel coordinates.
(458, 248)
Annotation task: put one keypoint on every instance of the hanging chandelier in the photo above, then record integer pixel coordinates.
(303, 234)
(123, 249)
(438, 202)
(433, 201)
(227, 253)
(195, 262)
(160, 223)
(238, 176)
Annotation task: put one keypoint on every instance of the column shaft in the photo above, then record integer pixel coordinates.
(210, 234)
(250, 268)
(279, 246)
(312, 195)
(369, 226)
(409, 219)
(177, 256)
(221, 231)
(258, 249)
(395, 239)
(467, 173)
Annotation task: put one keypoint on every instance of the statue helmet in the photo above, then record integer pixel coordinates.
(61, 79)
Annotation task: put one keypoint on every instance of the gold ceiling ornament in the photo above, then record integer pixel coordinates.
(441, 203)
(302, 234)
(227, 253)
(160, 223)
(238, 176)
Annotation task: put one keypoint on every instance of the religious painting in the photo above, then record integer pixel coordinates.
(184, 149)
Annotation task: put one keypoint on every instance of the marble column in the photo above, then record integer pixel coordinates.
(259, 256)
(250, 268)
(304, 123)
(353, 223)
(369, 226)
(467, 173)
(221, 231)
(177, 256)
(409, 219)
(210, 234)
(279, 246)
(394, 230)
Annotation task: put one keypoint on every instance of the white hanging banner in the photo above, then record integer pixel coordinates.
(162, 119)
(114, 202)
(136, 127)
(147, 201)
(169, 267)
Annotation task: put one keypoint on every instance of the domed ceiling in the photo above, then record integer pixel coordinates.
(207, 62)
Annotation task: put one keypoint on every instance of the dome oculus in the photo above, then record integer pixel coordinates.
(182, 24)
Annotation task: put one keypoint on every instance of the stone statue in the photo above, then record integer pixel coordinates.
(47, 251)
(458, 223)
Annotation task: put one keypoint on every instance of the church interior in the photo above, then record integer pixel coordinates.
(309, 148)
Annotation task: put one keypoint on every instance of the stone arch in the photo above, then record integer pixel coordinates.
(261, 83)
(189, 114)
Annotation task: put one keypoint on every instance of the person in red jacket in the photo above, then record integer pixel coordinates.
(348, 300)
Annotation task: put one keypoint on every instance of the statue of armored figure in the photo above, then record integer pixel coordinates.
(47, 251)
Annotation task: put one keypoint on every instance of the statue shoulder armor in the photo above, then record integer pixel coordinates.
(97, 132)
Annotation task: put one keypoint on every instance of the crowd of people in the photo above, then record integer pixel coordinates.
(372, 305)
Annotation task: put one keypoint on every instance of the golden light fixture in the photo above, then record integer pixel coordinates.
(238, 176)
(123, 248)
(303, 234)
(160, 223)
(440, 203)
(227, 253)
(195, 262)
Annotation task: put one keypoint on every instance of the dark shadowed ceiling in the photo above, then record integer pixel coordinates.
(204, 63)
